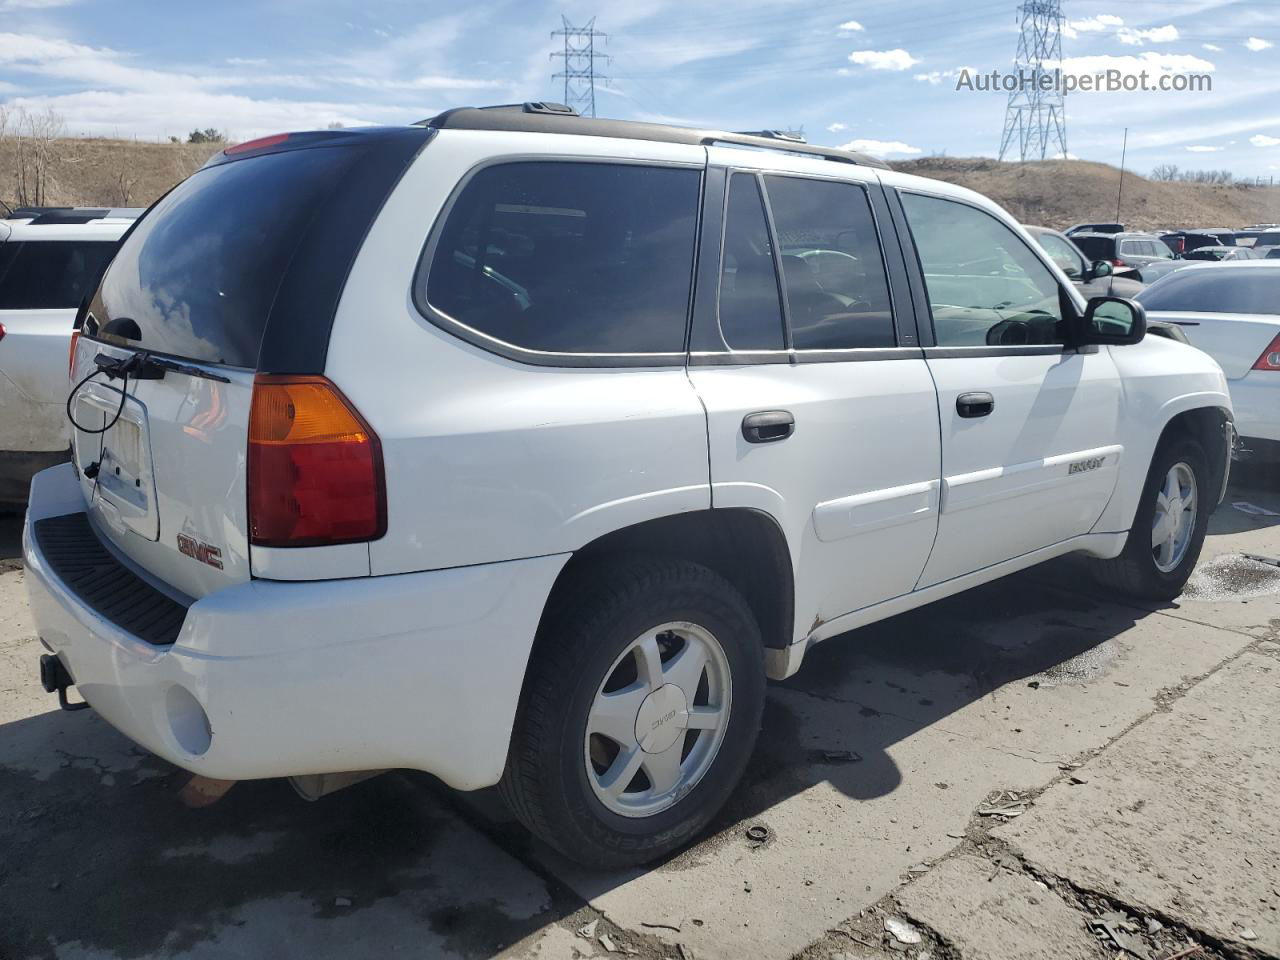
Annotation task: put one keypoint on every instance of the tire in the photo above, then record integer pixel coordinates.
(558, 774)
(1137, 572)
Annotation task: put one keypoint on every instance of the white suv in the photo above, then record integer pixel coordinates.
(49, 259)
(520, 447)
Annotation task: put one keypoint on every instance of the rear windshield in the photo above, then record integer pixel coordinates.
(200, 273)
(1095, 248)
(51, 274)
(1217, 290)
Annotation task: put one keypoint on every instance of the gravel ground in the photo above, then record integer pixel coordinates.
(1028, 770)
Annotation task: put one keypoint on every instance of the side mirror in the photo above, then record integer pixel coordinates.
(1100, 269)
(1113, 320)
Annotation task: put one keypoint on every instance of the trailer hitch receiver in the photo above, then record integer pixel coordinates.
(55, 678)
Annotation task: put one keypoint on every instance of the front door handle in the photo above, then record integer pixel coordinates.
(971, 405)
(768, 426)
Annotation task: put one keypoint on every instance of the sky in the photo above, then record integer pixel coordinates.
(880, 75)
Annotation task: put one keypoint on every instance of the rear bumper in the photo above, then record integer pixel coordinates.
(1255, 399)
(272, 679)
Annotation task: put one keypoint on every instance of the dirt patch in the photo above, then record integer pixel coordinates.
(1232, 576)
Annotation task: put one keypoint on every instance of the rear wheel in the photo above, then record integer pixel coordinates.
(1169, 527)
(640, 710)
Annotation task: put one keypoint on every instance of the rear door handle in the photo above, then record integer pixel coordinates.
(972, 405)
(768, 426)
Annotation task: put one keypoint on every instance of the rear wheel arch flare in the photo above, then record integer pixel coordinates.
(747, 547)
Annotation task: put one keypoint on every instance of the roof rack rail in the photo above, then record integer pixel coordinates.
(773, 135)
(542, 117)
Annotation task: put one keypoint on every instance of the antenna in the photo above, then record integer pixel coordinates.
(1124, 149)
(579, 64)
(1035, 117)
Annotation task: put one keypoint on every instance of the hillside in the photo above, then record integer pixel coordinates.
(1055, 193)
(1058, 193)
(121, 173)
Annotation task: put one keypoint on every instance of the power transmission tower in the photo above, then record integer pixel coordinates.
(579, 68)
(1035, 119)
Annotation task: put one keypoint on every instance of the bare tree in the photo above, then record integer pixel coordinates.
(1166, 172)
(36, 133)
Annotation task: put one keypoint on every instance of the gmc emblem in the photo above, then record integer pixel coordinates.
(203, 552)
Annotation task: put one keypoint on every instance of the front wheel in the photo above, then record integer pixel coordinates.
(639, 713)
(1169, 527)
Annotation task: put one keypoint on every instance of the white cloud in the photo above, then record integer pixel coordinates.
(1131, 64)
(935, 77)
(1201, 148)
(164, 112)
(1136, 38)
(1262, 140)
(881, 148)
(1257, 44)
(1212, 46)
(851, 25)
(896, 59)
(837, 127)
(1098, 24)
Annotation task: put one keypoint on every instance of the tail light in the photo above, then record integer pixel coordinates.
(2, 331)
(1270, 359)
(315, 467)
(1117, 262)
(71, 354)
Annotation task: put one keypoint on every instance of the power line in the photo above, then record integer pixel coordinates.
(578, 69)
(1035, 117)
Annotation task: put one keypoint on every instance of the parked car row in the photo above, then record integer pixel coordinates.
(520, 448)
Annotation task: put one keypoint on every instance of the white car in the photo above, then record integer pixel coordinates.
(520, 448)
(1231, 311)
(49, 260)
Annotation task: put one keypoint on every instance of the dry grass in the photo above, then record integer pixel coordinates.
(107, 172)
(1058, 193)
(1055, 193)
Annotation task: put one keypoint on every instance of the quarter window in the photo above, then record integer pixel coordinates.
(563, 257)
(750, 303)
(834, 274)
(51, 274)
(985, 286)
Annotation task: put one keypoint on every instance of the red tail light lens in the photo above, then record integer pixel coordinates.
(1270, 359)
(315, 467)
(260, 144)
(1117, 262)
(71, 354)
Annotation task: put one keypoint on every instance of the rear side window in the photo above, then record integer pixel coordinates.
(836, 287)
(1096, 248)
(1225, 290)
(750, 302)
(200, 273)
(51, 274)
(568, 257)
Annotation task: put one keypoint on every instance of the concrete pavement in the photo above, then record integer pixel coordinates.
(871, 771)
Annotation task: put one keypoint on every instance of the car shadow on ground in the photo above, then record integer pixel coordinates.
(99, 851)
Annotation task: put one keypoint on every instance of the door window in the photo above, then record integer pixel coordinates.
(985, 286)
(833, 271)
(750, 301)
(564, 257)
(1063, 254)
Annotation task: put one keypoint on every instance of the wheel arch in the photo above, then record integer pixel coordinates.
(745, 546)
(1207, 418)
